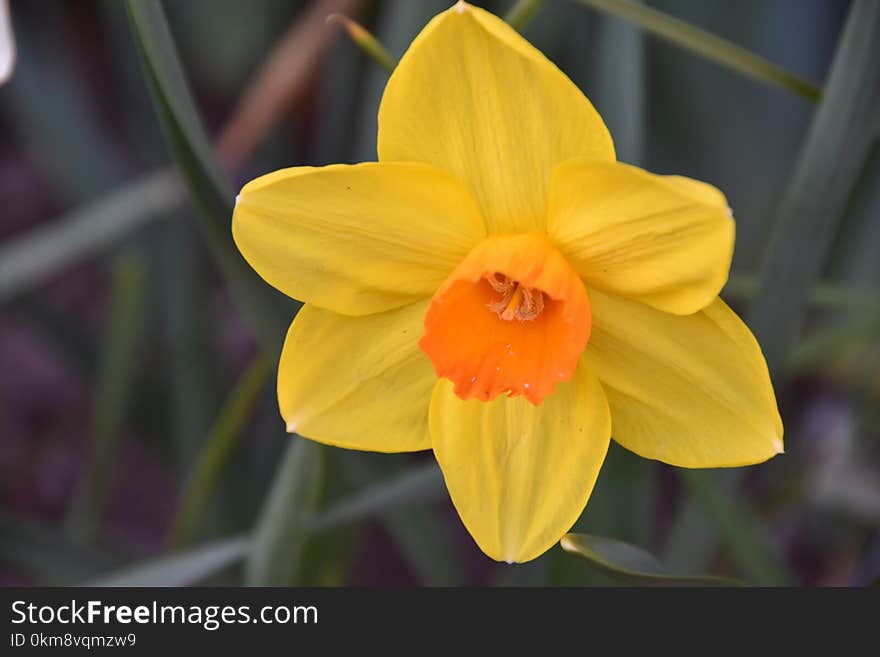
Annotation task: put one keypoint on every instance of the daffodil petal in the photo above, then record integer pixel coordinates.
(356, 239)
(691, 391)
(520, 474)
(357, 382)
(473, 97)
(665, 241)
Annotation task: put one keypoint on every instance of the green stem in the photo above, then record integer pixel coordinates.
(282, 528)
(215, 453)
(364, 40)
(127, 306)
(298, 474)
(706, 45)
(50, 248)
(522, 12)
(188, 143)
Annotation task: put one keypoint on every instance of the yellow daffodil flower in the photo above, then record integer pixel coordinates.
(499, 289)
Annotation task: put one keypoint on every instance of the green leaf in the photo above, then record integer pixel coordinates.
(824, 295)
(209, 190)
(854, 258)
(396, 26)
(180, 569)
(631, 564)
(188, 371)
(622, 504)
(174, 101)
(618, 60)
(834, 150)
(743, 532)
(706, 45)
(692, 540)
(422, 536)
(364, 40)
(51, 248)
(126, 315)
(275, 546)
(215, 452)
(417, 528)
(418, 485)
(283, 525)
(857, 335)
(522, 12)
(831, 157)
(717, 512)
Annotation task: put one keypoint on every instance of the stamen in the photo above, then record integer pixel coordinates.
(517, 301)
(470, 333)
(509, 311)
(498, 285)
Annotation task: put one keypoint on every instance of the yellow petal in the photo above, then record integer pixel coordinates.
(691, 391)
(473, 97)
(356, 239)
(697, 190)
(519, 474)
(666, 241)
(357, 382)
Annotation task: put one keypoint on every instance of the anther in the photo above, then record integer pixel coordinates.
(517, 301)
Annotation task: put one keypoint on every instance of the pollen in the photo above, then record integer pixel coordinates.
(517, 301)
(513, 318)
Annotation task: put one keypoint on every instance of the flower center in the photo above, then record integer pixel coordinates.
(517, 301)
(512, 318)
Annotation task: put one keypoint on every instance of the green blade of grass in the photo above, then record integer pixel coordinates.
(298, 477)
(856, 336)
(618, 59)
(397, 23)
(713, 515)
(364, 40)
(522, 11)
(216, 450)
(743, 533)
(706, 45)
(418, 485)
(188, 343)
(832, 155)
(854, 257)
(181, 569)
(628, 563)
(169, 87)
(42, 252)
(422, 537)
(834, 150)
(282, 528)
(693, 539)
(416, 527)
(127, 310)
(622, 505)
(192, 152)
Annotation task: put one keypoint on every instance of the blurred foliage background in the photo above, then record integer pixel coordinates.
(140, 441)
